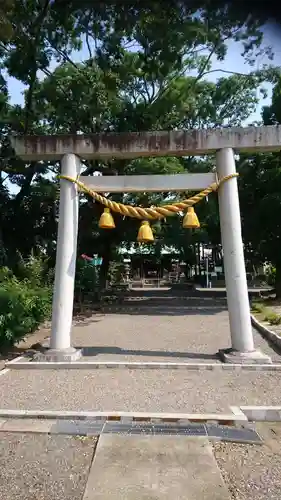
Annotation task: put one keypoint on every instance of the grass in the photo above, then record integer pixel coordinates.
(272, 318)
(258, 307)
(265, 313)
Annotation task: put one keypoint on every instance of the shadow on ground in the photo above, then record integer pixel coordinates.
(157, 310)
(89, 351)
(167, 303)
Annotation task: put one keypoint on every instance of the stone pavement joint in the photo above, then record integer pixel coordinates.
(2, 422)
(125, 417)
(158, 467)
(262, 413)
(85, 365)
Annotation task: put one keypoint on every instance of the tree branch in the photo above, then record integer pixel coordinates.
(227, 72)
(26, 184)
(63, 55)
(38, 24)
(87, 37)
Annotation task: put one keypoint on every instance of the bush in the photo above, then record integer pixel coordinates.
(117, 273)
(24, 304)
(86, 282)
(257, 307)
(273, 318)
(35, 270)
(271, 275)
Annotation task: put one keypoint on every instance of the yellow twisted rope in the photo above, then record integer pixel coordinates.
(148, 213)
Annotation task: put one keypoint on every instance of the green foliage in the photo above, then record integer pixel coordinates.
(24, 303)
(271, 275)
(257, 307)
(23, 309)
(6, 11)
(272, 113)
(143, 67)
(272, 318)
(116, 273)
(267, 315)
(86, 282)
(260, 195)
(34, 270)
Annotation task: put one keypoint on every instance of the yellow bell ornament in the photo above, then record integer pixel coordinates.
(190, 220)
(145, 234)
(106, 220)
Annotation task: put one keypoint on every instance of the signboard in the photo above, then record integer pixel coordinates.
(97, 261)
(93, 261)
(218, 269)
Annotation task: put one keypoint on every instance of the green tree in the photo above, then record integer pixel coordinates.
(130, 80)
(7, 10)
(260, 193)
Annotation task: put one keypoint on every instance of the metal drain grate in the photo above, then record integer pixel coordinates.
(237, 435)
(149, 428)
(214, 432)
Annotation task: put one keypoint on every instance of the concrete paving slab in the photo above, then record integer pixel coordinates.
(2, 422)
(27, 425)
(154, 467)
(77, 427)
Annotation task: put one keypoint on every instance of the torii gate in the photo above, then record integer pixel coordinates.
(222, 142)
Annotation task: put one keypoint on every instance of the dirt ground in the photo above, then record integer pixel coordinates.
(43, 467)
(25, 345)
(253, 472)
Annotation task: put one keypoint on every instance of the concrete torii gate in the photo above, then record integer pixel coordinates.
(222, 142)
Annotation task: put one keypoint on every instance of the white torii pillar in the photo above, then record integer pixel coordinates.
(62, 311)
(242, 343)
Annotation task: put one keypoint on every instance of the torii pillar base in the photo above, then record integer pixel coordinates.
(255, 357)
(58, 355)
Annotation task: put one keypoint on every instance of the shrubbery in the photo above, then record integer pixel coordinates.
(271, 275)
(25, 301)
(86, 283)
(26, 295)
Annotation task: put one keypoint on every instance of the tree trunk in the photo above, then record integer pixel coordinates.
(199, 260)
(278, 281)
(106, 258)
(187, 270)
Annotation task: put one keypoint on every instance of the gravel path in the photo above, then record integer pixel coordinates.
(192, 330)
(42, 467)
(138, 390)
(176, 333)
(261, 343)
(253, 472)
(187, 330)
(179, 332)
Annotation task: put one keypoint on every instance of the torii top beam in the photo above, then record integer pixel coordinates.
(138, 144)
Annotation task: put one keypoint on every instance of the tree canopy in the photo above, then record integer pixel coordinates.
(100, 67)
